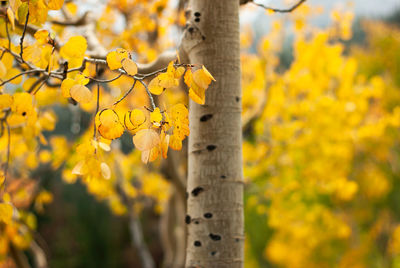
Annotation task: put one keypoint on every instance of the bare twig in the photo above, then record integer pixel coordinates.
(36, 83)
(21, 73)
(153, 106)
(106, 80)
(126, 94)
(21, 41)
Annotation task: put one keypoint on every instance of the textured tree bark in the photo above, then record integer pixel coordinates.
(215, 181)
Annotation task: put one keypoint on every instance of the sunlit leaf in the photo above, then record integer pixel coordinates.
(81, 93)
(129, 66)
(146, 139)
(114, 58)
(155, 87)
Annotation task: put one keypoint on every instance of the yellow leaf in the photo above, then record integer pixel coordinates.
(134, 119)
(105, 171)
(129, 66)
(175, 143)
(179, 72)
(168, 80)
(146, 139)
(13, 72)
(38, 11)
(6, 212)
(150, 155)
(66, 85)
(114, 58)
(22, 104)
(108, 124)
(156, 117)
(75, 48)
(164, 144)
(77, 170)
(6, 101)
(81, 94)
(81, 79)
(42, 36)
(11, 18)
(154, 86)
(3, 69)
(202, 78)
(179, 120)
(55, 4)
(198, 97)
(28, 83)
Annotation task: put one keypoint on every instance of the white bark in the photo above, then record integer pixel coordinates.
(215, 181)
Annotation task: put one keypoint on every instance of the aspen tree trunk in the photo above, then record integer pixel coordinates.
(215, 181)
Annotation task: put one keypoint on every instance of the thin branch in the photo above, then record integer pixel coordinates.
(21, 41)
(279, 10)
(153, 106)
(126, 94)
(21, 73)
(40, 86)
(105, 81)
(37, 82)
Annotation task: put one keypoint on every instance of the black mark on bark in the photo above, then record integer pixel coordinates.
(215, 237)
(208, 215)
(223, 177)
(196, 191)
(187, 219)
(211, 147)
(206, 117)
(197, 243)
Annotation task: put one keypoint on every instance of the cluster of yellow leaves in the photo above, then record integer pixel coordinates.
(16, 223)
(153, 134)
(37, 10)
(91, 166)
(168, 79)
(21, 106)
(120, 59)
(198, 82)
